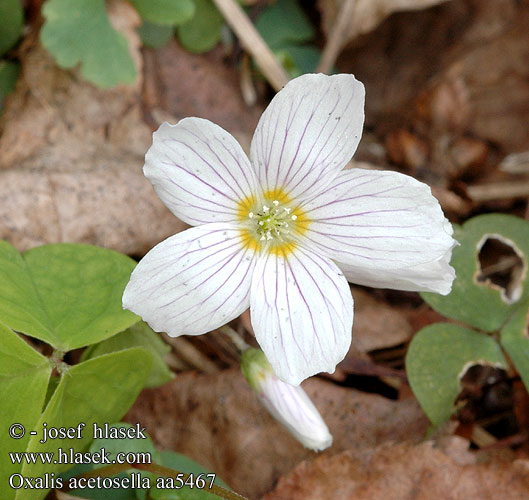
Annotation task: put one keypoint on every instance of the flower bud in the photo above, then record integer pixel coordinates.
(287, 403)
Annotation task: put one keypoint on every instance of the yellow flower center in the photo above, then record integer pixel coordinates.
(271, 223)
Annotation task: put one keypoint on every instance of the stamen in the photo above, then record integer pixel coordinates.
(272, 221)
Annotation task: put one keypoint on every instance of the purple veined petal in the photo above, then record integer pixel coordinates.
(308, 133)
(199, 171)
(385, 229)
(302, 313)
(291, 406)
(436, 276)
(194, 281)
(287, 403)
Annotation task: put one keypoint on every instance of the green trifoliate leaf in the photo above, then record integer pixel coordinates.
(131, 442)
(138, 335)
(185, 464)
(515, 340)
(478, 303)
(155, 35)
(167, 12)
(11, 22)
(284, 22)
(99, 390)
(438, 357)
(298, 59)
(68, 295)
(24, 375)
(203, 31)
(78, 31)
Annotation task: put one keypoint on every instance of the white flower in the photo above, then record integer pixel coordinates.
(287, 403)
(284, 232)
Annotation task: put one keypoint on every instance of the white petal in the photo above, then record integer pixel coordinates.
(199, 171)
(436, 276)
(291, 406)
(308, 133)
(192, 282)
(302, 313)
(384, 229)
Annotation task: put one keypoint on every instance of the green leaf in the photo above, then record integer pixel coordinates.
(474, 303)
(438, 356)
(100, 390)
(167, 12)
(154, 35)
(78, 31)
(284, 23)
(125, 444)
(24, 375)
(514, 338)
(9, 72)
(203, 32)
(184, 464)
(68, 295)
(138, 335)
(298, 59)
(97, 493)
(12, 20)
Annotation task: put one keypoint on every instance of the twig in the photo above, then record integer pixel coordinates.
(499, 191)
(253, 43)
(234, 337)
(191, 355)
(335, 40)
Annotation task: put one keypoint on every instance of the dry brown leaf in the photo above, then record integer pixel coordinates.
(368, 14)
(217, 420)
(450, 73)
(404, 472)
(71, 155)
(186, 84)
(377, 325)
(71, 158)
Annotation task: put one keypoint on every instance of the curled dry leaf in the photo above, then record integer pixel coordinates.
(368, 14)
(217, 420)
(404, 472)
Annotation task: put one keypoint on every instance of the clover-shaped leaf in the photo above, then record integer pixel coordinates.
(480, 303)
(437, 358)
(138, 335)
(99, 390)
(184, 464)
(165, 12)
(79, 31)
(24, 375)
(284, 22)
(154, 35)
(514, 338)
(68, 295)
(203, 31)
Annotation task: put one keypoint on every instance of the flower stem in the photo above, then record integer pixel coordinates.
(159, 470)
(234, 337)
